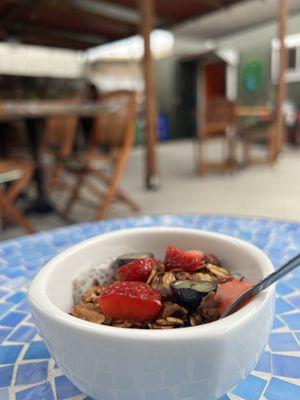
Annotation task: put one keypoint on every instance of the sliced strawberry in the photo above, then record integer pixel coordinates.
(228, 292)
(186, 260)
(134, 301)
(137, 270)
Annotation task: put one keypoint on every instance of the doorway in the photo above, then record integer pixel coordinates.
(187, 78)
(215, 80)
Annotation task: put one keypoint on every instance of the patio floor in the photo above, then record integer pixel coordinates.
(256, 191)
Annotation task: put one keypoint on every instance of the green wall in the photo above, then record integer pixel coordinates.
(255, 44)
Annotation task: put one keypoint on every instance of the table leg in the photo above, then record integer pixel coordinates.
(42, 203)
(3, 136)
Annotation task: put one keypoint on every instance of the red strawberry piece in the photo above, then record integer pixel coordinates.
(228, 292)
(133, 301)
(186, 260)
(137, 270)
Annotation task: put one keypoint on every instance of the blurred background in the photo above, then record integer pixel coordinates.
(110, 109)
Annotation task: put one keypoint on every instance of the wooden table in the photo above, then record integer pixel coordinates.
(254, 111)
(33, 113)
(12, 110)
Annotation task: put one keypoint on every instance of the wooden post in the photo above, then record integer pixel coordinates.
(147, 23)
(281, 92)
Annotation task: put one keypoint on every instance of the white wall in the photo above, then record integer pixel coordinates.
(26, 60)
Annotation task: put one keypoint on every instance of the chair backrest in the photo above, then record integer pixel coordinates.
(219, 115)
(114, 126)
(60, 134)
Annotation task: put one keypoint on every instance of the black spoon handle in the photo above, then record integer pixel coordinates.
(263, 284)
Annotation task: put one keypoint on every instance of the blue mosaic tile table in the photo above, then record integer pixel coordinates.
(27, 371)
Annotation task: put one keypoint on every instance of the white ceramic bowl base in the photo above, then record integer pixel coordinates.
(198, 363)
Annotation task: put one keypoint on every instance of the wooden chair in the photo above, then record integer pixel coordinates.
(57, 146)
(14, 178)
(264, 133)
(113, 133)
(218, 121)
(262, 130)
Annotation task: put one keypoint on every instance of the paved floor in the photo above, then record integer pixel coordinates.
(256, 191)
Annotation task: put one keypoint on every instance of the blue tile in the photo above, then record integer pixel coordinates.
(283, 289)
(41, 392)
(23, 306)
(264, 364)
(30, 373)
(23, 334)
(3, 293)
(17, 297)
(292, 320)
(6, 375)
(281, 390)
(12, 319)
(4, 332)
(4, 307)
(282, 306)
(2, 279)
(4, 394)
(288, 366)
(295, 300)
(64, 388)
(9, 354)
(277, 323)
(250, 388)
(30, 320)
(293, 282)
(283, 342)
(37, 350)
(298, 335)
(11, 272)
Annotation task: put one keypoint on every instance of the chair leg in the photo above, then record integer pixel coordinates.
(17, 187)
(120, 194)
(54, 177)
(74, 194)
(232, 159)
(1, 208)
(246, 145)
(19, 218)
(8, 209)
(200, 168)
(112, 187)
(7, 200)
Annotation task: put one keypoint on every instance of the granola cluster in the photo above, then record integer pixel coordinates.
(172, 315)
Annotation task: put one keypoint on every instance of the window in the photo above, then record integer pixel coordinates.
(292, 43)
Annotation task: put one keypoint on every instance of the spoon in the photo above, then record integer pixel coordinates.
(261, 285)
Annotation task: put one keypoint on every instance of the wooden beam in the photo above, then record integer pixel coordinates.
(86, 39)
(42, 40)
(16, 12)
(147, 24)
(281, 90)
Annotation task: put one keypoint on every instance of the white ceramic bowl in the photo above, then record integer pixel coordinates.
(111, 363)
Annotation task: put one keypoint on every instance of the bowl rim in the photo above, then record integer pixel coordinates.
(39, 300)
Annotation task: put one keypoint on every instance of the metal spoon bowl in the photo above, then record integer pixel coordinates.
(261, 285)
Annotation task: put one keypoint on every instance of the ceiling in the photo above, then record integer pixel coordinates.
(81, 24)
(225, 21)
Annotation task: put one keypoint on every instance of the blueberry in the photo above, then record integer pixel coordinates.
(128, 257)
(209, 258)
(189, 293)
